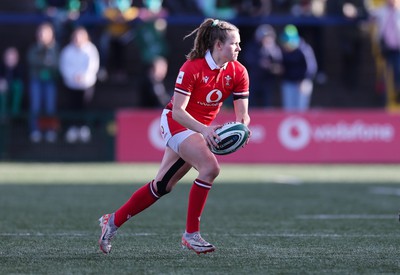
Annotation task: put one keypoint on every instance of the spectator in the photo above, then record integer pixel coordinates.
(314, 33)
(387, 19)
(299, 69)
(43, 71)
(149, 34)
(11, 83)
(152, 92)
(116, 36)
(263, 58)
(79, 64)
(308, 8)
(187, 7)
(61, 13)
(217, 8)
(152, 48)
(350, 38)
(253, 8)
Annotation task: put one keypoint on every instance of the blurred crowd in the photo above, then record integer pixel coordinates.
(74, 58)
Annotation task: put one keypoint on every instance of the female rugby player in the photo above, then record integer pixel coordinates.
(209, 76)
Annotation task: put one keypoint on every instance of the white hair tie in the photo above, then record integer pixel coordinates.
(215, 23)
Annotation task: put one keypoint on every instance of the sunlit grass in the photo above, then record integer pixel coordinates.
(108, 173)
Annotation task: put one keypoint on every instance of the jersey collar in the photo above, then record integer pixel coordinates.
(211, 63)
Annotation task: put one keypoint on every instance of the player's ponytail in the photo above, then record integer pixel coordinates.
(207, 34)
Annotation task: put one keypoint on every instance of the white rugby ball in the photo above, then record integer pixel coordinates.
(233, 135)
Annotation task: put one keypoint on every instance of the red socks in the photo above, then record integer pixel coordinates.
(197, 200)
(139, 201)
(146, 196)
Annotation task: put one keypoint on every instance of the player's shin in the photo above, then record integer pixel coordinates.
(139, 201)
(197, 200)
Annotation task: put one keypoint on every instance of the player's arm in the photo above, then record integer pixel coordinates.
(180, 114)
(241, 95)
(241, 107)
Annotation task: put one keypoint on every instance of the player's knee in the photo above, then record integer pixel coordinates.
(211, 171)
(162, 187)
(215, 171)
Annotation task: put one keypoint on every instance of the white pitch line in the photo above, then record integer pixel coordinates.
(64, 234)
(290, 180)
(347, 217)
(317, 235)
(247, 235)
(385, 191)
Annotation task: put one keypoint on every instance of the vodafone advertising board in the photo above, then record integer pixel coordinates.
(280, 137)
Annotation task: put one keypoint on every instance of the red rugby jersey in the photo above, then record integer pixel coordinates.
(208, 86)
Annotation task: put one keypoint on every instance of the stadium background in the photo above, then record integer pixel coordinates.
(281, 219)
(18, 22)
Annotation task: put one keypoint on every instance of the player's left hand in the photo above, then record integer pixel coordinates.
(248, 139)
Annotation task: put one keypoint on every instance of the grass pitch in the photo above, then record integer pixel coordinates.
(283, 226)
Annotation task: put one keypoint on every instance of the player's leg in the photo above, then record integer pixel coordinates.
(195, 151)
(172, 169)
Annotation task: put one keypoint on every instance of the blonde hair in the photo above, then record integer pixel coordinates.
(207, 34)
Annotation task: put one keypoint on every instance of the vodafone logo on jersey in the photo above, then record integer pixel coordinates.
(214, 96)
(296, 133)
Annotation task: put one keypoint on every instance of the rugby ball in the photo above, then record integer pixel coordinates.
(233, 135)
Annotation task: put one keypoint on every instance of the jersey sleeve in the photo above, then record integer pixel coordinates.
(185, 81)
(241, 88)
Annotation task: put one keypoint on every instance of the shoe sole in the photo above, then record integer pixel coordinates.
(186, 245)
